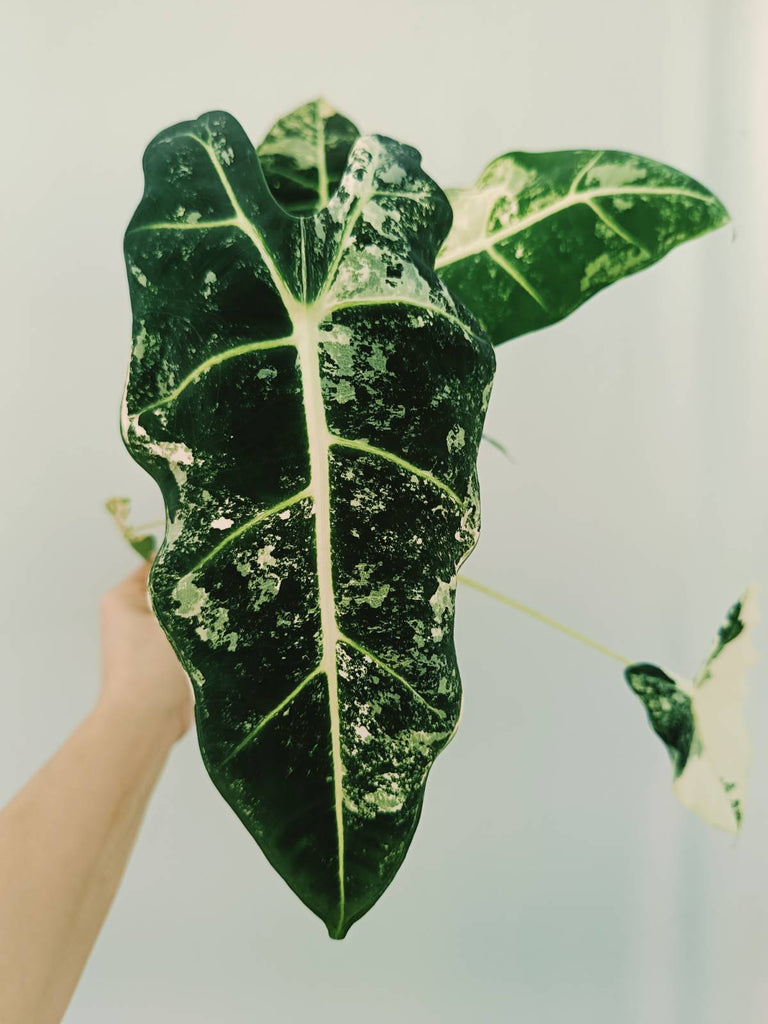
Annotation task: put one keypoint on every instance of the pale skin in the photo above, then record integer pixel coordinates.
(65, 838)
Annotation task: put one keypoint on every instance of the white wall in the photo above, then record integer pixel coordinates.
(553, 876)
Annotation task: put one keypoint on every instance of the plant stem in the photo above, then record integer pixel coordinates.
(512, 603)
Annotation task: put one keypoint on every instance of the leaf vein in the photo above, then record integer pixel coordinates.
(585, 171)
(390, 671)
(267, 718)
(247, 226)
(517, 274)
(220, 357)
(617, 229)
(181, 226)
(571, 199)
(264, 514)
(384, 300)
(363, 446)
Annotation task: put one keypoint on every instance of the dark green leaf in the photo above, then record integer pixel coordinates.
(539, 233)
(310, 400)
(669, 707)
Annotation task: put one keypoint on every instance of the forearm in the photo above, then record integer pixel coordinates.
(64, 843)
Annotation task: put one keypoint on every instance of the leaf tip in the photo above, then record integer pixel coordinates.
(725, 217)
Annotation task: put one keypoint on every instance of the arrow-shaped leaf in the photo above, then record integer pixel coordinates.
(310, 400)
(701, 721)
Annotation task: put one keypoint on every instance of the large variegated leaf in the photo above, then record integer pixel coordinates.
(539, 233)
(701, 721)
(310, 400)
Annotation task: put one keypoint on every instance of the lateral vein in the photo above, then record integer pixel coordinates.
(518, 276)
(390, 671)
(169, 225)
(271, 714)
(385, 300)
(363, 446)
(617, 229)
(322, 170)
(585, 171)
(571, 199)
(264, 514)
(245, 224)
(220, 357)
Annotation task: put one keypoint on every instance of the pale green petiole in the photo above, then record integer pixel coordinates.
(512, 603)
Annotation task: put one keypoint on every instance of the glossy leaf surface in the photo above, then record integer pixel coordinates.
(701, 721)
(310, 400)
(539, 233)
(304, 156)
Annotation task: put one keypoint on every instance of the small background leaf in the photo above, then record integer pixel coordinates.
(701, 722)
(142, 542)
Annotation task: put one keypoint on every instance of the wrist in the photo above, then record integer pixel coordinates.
(158, 726)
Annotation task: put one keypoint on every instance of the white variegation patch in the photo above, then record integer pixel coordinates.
(714, 779)
(702, 720)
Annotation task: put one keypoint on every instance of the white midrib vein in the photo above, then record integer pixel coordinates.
(306, 320)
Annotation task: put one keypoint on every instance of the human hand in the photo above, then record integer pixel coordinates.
(140, 672)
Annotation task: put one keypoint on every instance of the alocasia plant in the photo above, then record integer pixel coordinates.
(312, 361)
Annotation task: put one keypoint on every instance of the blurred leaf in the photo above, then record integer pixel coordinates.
(498, 446)
(701, 721)
(142, 542)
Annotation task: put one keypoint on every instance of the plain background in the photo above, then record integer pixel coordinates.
(553, 876)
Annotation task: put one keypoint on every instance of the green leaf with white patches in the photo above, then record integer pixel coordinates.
(539, 233)
(310, 400)
(304, 155)
(701, 721)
